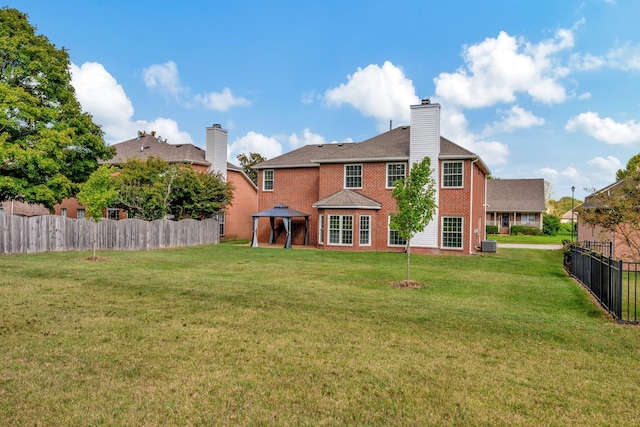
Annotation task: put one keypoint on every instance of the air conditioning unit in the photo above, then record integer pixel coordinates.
(489, 246)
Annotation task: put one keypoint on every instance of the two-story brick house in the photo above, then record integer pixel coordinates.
(346, 190)
(236, 218)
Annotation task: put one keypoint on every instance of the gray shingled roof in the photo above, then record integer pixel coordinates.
(347, 199)
(303, 156)
(515, 195)
(389, 146)
(149, 146)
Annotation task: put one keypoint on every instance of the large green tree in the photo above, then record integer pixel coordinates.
(632, 166)
(48, 146)
(152, 189)
(249, 160)
(416, 203)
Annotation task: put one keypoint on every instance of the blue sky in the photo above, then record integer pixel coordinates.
(544, 89)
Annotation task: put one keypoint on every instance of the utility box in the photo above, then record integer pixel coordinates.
(489, 246)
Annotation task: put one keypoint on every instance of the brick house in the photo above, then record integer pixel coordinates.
(236, 221)
(625, 241)
(515, 202)
(346, 190)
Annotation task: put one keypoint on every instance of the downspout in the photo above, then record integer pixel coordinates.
(472, 243)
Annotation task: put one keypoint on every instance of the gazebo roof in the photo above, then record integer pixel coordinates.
(281, 210)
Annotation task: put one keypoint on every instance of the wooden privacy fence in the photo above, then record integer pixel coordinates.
(55, 233)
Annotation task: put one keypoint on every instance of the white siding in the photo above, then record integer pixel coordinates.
(216, 149)
(425, 142)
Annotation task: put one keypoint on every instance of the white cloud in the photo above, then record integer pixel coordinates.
(609, 165)
(625, 58)
(453, 126)
(605, 129)
(383, 93)
(164, 77)
(221, 101)
(584, 96)
(307, 138)
(498, 68)
(549, 173)
(101, 96)
(513, 119)
(252, 142)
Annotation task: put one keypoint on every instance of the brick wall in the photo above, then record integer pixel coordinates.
(238, 222)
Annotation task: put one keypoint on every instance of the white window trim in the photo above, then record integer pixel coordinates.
(321, 229)
(360, 230)
(264, 180)
(361, 175)
(386, 178)
(389, 230)
(340, 230)
(462, 173)
(452, 248)
(222, 223)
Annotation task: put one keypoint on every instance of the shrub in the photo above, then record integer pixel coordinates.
(550, 225)
(492, 229)
(525, 230)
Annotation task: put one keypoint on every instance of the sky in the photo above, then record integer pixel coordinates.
(539, 89)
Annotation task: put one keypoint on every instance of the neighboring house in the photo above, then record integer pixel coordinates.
(14, 207)
(345, 189)
(515, 202)
(236, 221)
(566, 217)
(589, 233)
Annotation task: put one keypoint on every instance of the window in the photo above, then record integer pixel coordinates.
(63, 212)
(352, 176)
(80, 213)
(452, 232)
(340, 229)
(395, 239)
(221, 222)
(395, 171)
(267, 180)
(321, 230)
(113, 213)
(452, 174)
(1, 209)
(365, 230)
(528, 218)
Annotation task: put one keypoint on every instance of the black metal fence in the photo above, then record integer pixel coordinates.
(614, 283)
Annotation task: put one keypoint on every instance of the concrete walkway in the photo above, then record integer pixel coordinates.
(529, 246)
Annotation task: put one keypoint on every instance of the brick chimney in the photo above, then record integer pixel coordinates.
(216, 149)
(424, 141)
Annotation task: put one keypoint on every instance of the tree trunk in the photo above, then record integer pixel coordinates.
(408, 259)
(95, 239)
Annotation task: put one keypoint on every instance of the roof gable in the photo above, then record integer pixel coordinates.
(515, 195)
(347, 199)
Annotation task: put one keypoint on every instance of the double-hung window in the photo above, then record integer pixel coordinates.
(365, 230)
(267, 180)
(352, 176)
(395, 171)
(340, 229)
(221, 223)
(395, 239)
(452, 232)
(452, 175)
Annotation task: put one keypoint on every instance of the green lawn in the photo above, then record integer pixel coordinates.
(230, 335)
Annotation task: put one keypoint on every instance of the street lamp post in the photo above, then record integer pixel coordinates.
(573, 189)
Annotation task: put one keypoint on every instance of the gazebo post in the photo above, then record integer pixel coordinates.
(272, 238)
